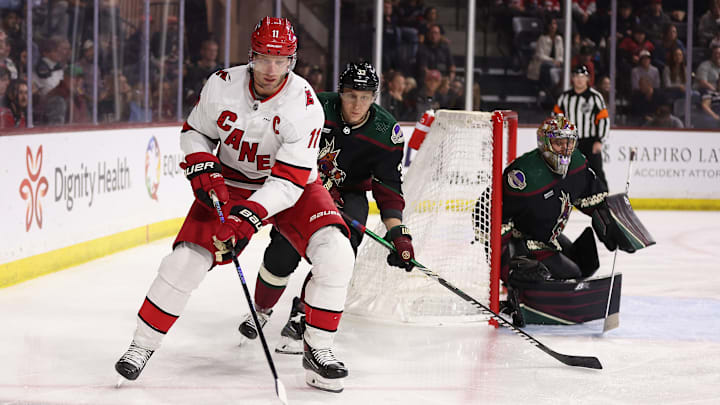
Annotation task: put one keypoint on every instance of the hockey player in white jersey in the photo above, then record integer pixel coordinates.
(252, 140)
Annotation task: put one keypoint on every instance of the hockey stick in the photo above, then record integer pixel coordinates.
(612, 322)
(577, 361)
(279, 387)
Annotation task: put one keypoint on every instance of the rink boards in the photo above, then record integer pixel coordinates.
(70, 197)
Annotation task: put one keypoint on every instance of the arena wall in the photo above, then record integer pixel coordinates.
(72, 197)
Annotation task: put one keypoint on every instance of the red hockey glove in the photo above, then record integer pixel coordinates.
(337, 198)
(231, 237)
(203, 171)
(400, 237)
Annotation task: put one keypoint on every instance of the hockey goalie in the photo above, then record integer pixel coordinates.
(547, 275)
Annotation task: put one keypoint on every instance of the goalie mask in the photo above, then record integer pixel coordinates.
(556, 139)
(273, 37)
(359, 76)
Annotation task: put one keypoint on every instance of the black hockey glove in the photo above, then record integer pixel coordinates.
(605, 227)
(526, 270)
(400, 237)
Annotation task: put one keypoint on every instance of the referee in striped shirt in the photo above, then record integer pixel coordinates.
(585, 107)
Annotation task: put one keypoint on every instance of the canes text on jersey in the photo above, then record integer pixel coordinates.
(248, 151)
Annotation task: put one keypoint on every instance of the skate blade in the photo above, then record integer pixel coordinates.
(120, 382)
(325, 384)
(289, 346)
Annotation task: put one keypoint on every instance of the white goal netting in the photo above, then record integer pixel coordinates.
(450, 171)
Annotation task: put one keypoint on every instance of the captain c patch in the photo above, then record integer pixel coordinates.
(516, 179)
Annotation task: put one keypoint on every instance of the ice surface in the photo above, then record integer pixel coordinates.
(61, 334)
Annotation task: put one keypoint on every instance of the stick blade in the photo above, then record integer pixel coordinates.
(579, 361)
(611, 322)
(280, 391)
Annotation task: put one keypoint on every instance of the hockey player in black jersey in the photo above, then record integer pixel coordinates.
(361, 149)
(539, 190)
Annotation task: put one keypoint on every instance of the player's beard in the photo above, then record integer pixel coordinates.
(265, 88)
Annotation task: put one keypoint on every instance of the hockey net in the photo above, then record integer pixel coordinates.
(461, 159)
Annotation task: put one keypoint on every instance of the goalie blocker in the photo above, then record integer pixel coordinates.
(618, 227)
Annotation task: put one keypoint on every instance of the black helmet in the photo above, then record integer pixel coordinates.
(581, 70)
(359, 76)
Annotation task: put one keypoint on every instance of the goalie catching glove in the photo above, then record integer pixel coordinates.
(203, 171)
(232, 236)
(400, 237)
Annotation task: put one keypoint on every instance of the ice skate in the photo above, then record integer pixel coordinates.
(323, 370)
(291, 341)
(131, 364)
(247, 326)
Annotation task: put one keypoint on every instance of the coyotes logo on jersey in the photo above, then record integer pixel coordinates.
(327, 164)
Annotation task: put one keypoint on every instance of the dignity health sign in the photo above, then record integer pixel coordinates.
(59, 189)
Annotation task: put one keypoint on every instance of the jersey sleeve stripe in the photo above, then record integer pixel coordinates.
(379, 144)
(234, 175)
(296, 175)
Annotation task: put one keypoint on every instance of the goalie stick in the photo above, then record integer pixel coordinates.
(613, 321)
(576, 361)
(279, 387)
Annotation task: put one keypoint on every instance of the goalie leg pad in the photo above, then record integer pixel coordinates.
(561, 267)
(583, 251)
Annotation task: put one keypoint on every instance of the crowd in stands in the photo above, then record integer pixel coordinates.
(419, 71)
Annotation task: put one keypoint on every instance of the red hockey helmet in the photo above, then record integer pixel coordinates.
(274, 36)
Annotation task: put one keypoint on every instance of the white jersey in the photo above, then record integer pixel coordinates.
(270, 146)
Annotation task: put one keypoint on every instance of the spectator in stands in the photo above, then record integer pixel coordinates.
(4, 83)
(631, 46)
(434, 54)
(674, 74)
(676, 9)
(426, 98)
(17, 94)
(198, 72)
(546, 64)
(710, 109)
(393, 97)
(709, 24)
(114, 99)
(67, 103)
(430, 18)
(645, 69)
(393, 55)
(49, 69)
(654, 20)
(603, 87)
(664, 48)
(456, 95)
(544, 8)
(410, 86)
(85, 63)
(626, 21)
(317, 79)
(708, 72)
(410, 13)
(663, 118)
(12, 26)
(5, 60)
(644, 103)
(582, 10)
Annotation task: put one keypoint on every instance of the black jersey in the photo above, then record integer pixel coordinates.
(537, 202)
(350, 158)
